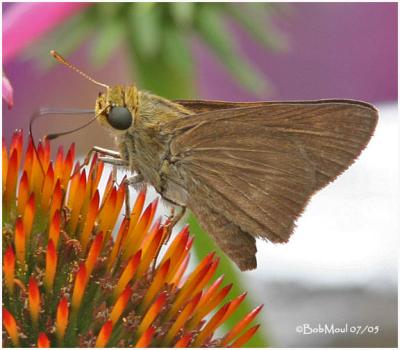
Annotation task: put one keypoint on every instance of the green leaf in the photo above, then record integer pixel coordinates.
(202, 246)
(160, 78)
(177, 52)
(145, 22)
(209, 23)
(166, 73)
(255, 20)
(108, 39)
(182, 12)
(108, 19)
(108, 10)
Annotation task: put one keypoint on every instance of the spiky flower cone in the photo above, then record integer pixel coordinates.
(68, 282)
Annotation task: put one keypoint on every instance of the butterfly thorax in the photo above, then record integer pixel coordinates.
(142, 146)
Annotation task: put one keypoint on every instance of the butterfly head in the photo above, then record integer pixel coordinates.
(116, 108)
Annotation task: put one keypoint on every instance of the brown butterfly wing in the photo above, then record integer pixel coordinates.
(258, 166)
(236, 243)
(201, 106)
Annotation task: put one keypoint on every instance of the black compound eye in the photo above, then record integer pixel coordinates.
(120, 118)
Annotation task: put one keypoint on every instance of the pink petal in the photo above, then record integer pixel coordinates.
(7, 92)
(26, 22)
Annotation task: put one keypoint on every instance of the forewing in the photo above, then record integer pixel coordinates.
(260, 165)
(201, 106)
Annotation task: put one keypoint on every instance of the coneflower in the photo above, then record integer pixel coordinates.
(69, 282)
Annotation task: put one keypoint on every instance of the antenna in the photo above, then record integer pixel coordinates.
(62, 60)
(44, 111)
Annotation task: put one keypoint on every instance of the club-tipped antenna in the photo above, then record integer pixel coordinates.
(62, 60)
(44, 111)
(58, 134)
(65, 111)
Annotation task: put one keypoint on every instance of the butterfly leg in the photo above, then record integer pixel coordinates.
(172, 221)
(103, 151)
(96, 149)
(130, 181)
(114, 161)
(176, 218)
(106, 152)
